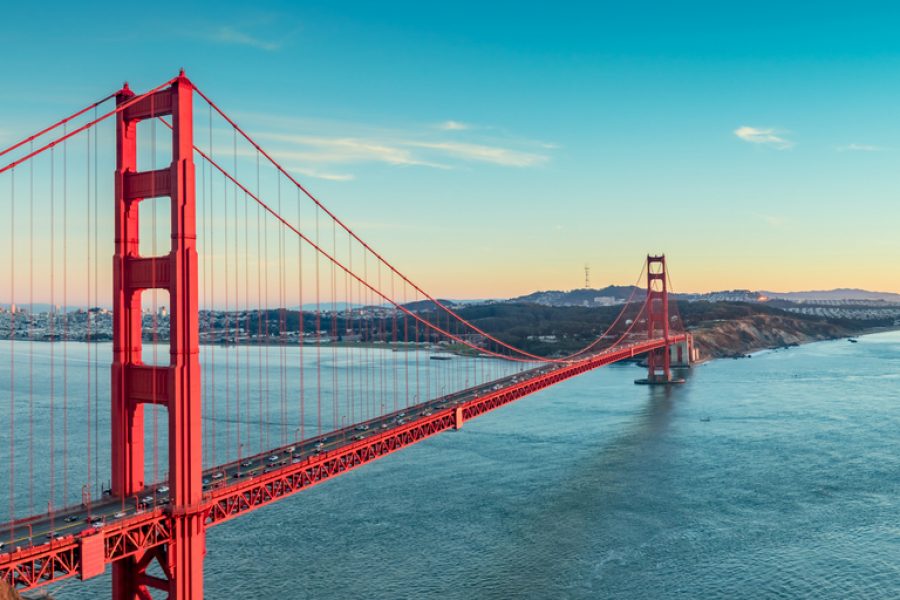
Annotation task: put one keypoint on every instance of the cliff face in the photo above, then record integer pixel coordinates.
(718, 339)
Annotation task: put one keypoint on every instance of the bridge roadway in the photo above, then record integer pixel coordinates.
(48, 548)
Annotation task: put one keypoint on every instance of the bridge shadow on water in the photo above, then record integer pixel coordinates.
(602, 515)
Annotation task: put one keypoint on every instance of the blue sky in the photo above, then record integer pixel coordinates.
(491, 149)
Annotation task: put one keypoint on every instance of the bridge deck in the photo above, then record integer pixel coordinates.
(76, 547)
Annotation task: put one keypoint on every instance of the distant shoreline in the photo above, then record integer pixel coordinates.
(721, 341)
(746, 351)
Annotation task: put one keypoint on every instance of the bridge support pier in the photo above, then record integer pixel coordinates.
(458, 418)
(177, 385)
(682, 354)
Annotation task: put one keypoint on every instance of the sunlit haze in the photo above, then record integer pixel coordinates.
(494, 149)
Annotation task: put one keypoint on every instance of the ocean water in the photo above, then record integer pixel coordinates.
(598, 488)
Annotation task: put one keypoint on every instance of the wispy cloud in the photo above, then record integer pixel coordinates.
(321, 174)
(767, 137)
(227, 34)
(481, 153)
(263, 31)
(347, 150)
(773, 221)
(418, 146)
(454, 126)
(860, 148)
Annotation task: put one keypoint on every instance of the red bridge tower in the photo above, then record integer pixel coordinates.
(659, 361)
(659, 368)
(177, 385)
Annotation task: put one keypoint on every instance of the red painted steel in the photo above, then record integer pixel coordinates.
(185, 436)
(176, 386)
(56, 125)
(60, 559)
(520, 355)
(174, 537)
(144, 537)
(93, 556)
(252, 493)
(127, 417)
(120, 106)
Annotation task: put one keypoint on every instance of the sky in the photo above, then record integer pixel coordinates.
(494, 149)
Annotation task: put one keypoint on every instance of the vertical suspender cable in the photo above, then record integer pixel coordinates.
(335, 412)
(415, 398)
(227, 378)
(394, 342)
(237, 320)
(204, 303)
(282, 274)
(263, 422)
(87, 164)
(31, 338)
(247, 315)
(368, 348)
(406, 349)
(268, 373)
(64, 317)
(96, 299)
(12, 349)
(281, 380)
(381, 336)
(214, 415)
(301, 324)
(52, 329)
(318, 338)
(352, 347)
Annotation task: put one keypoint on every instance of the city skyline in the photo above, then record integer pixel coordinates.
(755, 147)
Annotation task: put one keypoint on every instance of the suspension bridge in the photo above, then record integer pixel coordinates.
(252, 346)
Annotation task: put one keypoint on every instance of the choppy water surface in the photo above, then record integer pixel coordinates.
(598, 488)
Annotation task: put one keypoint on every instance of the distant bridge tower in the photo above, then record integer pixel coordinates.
(659, 367)
(175, 386)
(660, 360)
